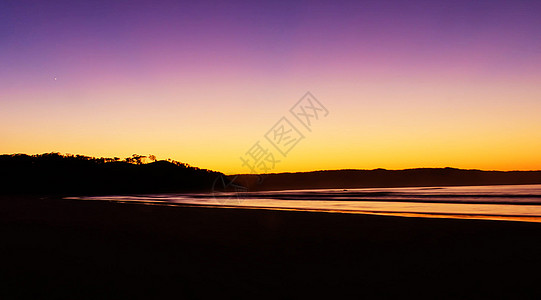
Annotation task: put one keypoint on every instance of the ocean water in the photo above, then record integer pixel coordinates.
(503, 202)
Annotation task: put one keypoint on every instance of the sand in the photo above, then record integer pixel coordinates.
(87, 249)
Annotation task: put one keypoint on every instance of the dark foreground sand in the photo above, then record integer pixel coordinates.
(75, 249)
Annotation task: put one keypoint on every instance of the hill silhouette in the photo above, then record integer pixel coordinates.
(58, 174)
(378, 178)
(65, 174)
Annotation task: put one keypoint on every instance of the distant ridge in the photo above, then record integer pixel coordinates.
(66, 174)
(377, 178)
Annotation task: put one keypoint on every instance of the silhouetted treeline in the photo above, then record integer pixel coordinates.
(54, 173)
(385, 178)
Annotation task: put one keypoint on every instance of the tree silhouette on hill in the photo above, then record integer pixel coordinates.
(67, 174)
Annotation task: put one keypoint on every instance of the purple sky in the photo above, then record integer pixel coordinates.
(230, 57)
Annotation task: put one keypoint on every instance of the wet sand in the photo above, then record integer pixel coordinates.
(88, 249)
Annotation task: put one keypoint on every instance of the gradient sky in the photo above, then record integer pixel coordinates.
(407, 83)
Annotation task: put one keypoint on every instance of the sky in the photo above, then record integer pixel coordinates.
(403, 84)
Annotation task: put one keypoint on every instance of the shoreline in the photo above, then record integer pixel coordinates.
(464, 216)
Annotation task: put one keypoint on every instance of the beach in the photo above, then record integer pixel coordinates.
(94, 249)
